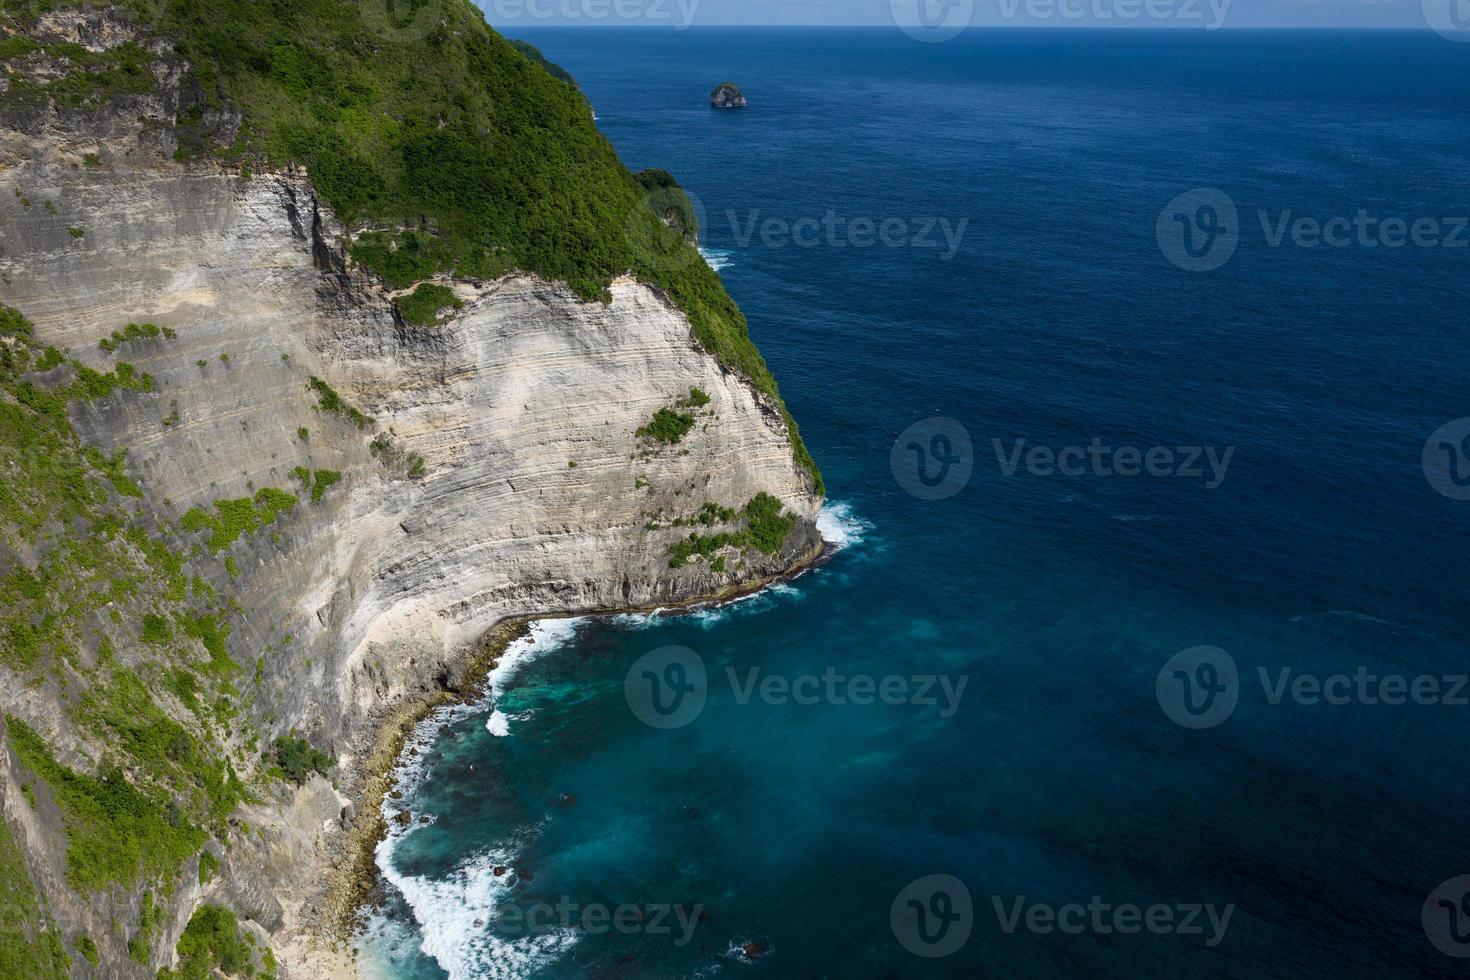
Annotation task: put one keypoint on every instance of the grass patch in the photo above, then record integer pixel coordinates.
(156, 630)
(112, 467)
(30, 943)
(86, 78)
(667, 426)
(134, 331)
(211, 941)
(421, 307)
(140, 947)
(767, 526)
(329, 401)
(214, 634)
(209, 866)
(239, 516)
(116, 832)
(324, 480)
(298, 760)
(697, 398)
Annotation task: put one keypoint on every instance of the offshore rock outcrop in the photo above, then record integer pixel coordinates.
(727, 95)
(502, 473)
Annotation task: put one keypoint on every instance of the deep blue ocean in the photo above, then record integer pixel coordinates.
(1054, 311)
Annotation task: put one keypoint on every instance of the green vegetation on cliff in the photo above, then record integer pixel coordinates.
(30, 946)
(115, 832)
(440, 143)
(667, 426)
(767, 526)
(212, 941)
(534, 53)
(421, 307)
(85, 578)
(234, 518)
(298, 760)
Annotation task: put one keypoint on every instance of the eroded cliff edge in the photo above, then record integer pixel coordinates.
(493, 464)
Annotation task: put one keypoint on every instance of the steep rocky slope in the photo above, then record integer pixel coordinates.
(300, 502)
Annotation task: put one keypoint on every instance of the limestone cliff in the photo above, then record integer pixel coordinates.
(497, 460)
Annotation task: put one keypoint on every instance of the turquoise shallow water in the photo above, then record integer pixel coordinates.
(1057, 600)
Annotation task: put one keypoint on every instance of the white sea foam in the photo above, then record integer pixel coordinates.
(454, 915)
(717, 258)
(384, 942)
(839, 526)
(638, 621)
(545, 635)
(448, 909)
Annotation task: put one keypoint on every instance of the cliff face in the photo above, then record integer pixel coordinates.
(448, 476)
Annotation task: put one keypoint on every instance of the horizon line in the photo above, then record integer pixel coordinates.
(634, 25)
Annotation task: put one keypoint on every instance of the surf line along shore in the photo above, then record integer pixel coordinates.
(349, 868)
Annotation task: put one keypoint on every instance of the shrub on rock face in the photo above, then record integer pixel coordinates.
(667, 426)
(421, 307)
(298, 760)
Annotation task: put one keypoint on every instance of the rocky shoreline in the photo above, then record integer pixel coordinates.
(350, 868)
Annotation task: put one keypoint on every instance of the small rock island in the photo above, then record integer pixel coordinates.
(727, 95)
